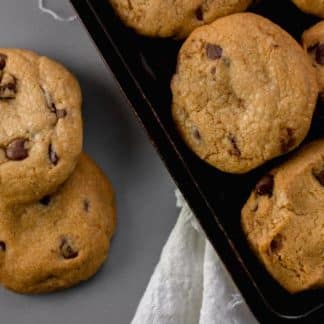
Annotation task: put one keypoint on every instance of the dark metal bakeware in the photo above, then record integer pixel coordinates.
(143, 68)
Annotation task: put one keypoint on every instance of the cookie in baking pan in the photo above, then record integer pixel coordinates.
(244, 92)
(283, 220)
(169, 18)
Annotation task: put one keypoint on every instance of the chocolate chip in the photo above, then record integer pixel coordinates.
(288, 141)
(265, 186)
(86, 205)
(235, 149)
(199, 13)
(67, 250)
(276, 243)
(61, 113)
(213, 70)
(45, 200)
(312, 48)
(16, 150)
(2, 246)
(213, 51)
(8, 86)
(52, 155)
(319, 175)
(3, 61)
(319, 55)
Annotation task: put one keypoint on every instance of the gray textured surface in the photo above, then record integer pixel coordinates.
(146, 205)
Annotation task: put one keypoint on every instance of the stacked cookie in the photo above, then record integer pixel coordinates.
(57, 207)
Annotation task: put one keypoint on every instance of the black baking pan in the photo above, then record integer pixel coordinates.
(143, 67)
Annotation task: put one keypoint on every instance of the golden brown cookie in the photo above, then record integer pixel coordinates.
(173, 18)
(62, 239)
(244, 92)
(314, 7)
(283, 220)
(40, 125)
(313, 42)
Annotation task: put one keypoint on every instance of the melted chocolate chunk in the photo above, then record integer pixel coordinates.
(67, 249)
(265, 186)
(213, 51)
(16, 150)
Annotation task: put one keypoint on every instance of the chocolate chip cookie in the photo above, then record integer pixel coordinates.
(313, 42)
(283, 220)
(62, 239)
(169, 18)
(244, 92)
(40, 125)
(314, 7)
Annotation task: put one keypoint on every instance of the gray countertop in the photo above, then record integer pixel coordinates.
(146, 203)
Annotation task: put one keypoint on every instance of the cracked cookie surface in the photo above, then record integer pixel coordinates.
(62, 239)
(173, 18)
(314, 7)
(40, 125)
(313, 43)
(244, 92)
(283, 220)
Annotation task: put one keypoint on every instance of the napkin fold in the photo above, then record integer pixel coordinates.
(190, 285)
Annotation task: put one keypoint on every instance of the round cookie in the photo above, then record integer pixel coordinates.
(283, 220)
(40, 125)
(169, 18)
(62, 239)
(244, 92)
(313, 43)
(314, 7)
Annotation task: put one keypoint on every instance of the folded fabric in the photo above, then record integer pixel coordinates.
(190, 284)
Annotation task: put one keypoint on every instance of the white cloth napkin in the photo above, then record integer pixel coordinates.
(189, 284)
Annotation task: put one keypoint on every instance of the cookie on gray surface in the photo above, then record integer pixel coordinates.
(40, 125)
(283, 220)
(313, 43)
(244, 92)
(314, 7)
(169, 18)
(62, 239)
